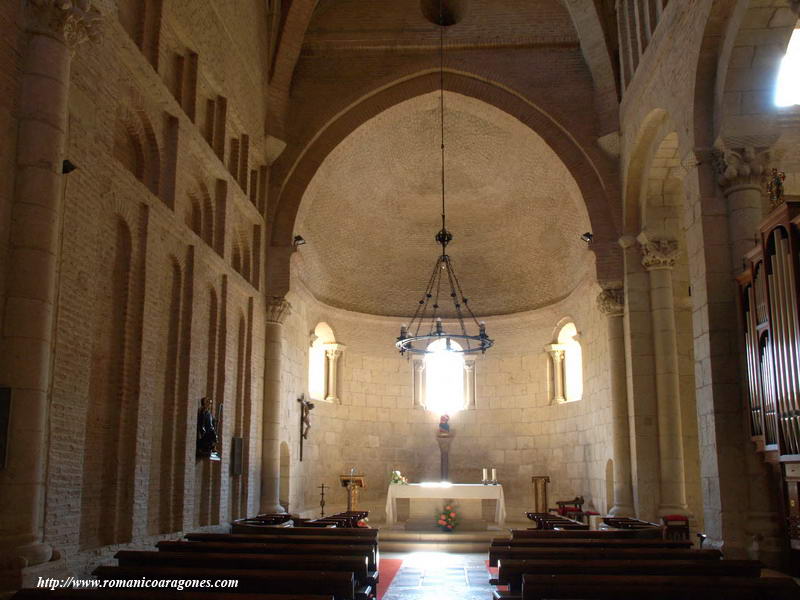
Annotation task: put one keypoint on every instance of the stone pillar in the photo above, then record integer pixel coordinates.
(278, 308)
(741, 179)
(332, 354)
(55, 29)
(611, 303)
(556, 352)
(658, 258)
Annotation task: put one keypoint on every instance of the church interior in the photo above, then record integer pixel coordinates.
(489, 284)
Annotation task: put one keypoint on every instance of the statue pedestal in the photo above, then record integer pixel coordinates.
(444, 440)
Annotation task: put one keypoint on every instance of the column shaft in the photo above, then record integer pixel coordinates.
(277, 310)
(670, 437)
(610, 302)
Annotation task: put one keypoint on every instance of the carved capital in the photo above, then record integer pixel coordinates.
(334, 351)
(71, 21)
(611, 302)
(658, 253)
(278, 308)
(741, 166)
(556, 351)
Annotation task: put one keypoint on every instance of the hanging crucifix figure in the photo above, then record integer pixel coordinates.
(306, 406)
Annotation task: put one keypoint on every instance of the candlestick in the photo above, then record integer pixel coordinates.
(494, 476)
(485, 476)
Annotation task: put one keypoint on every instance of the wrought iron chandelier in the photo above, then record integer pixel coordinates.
(426, 325)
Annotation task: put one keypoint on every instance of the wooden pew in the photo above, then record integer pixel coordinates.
(603, 534)
(340, 584)
(283, 539)
(511, 571)
(658, 587)
(591, 543)
(585, 554)
(370, 552)
(332, 531)
(550, 521)
(150, 594)
(357, 565)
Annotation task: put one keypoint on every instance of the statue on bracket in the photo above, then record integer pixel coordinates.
(306, 406)
(207, 423)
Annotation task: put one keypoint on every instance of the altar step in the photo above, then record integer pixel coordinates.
(394, 540)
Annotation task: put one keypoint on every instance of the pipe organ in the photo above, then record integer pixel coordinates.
(768, 302)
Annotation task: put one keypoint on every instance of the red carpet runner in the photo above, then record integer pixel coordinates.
(387, 569)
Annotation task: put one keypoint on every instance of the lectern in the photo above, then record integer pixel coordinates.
(352, 483)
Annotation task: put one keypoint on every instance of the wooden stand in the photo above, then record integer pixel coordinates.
(540, 493)
(352, 483)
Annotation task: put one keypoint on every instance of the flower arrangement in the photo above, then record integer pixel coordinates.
(398, 478)
(447, 520)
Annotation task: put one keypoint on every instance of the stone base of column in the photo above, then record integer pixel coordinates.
(20, 575)
(622, 510)
(267, 509)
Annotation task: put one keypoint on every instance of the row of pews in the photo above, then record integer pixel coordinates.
(633, 562)
(269, 559)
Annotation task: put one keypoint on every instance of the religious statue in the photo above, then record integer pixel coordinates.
(206, 430)
(444, 437)
(306, 406)
(444, 424)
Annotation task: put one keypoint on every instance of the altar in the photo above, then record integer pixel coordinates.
(445, 491)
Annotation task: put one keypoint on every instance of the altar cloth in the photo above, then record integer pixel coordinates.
(453, 491)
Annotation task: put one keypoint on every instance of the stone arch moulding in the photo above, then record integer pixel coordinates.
(655, 126)
(592, 172)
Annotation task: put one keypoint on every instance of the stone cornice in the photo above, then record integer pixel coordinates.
(277, 309)
(70, 21)
(611, 302)
(658, 253)
(741, 167)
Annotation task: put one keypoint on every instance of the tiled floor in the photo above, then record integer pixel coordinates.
(439, 576)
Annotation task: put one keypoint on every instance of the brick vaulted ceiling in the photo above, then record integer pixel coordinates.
(371, 212)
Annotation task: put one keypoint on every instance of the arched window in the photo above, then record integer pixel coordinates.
(444, 381)
(323, 356)
(567, 365)
(787, 91)
(444, 390)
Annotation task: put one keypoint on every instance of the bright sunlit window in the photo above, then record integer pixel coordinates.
(444, 390)
(787, 92)
(573, 362)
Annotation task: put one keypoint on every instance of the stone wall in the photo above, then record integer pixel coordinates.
(160, 292)
(515, 428)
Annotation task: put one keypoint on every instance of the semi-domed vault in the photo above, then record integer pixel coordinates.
(371, 211)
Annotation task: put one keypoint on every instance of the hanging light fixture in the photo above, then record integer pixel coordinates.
(426, 325)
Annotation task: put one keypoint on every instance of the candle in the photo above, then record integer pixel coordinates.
(485, 476)
(494, 475)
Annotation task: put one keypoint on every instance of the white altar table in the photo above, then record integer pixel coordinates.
(445, 491)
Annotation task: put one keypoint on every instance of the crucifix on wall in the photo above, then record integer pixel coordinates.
(306, 406)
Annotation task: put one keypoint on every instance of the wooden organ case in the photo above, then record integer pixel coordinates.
(769, 291)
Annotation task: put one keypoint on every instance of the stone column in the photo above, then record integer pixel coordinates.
(658, 258)
(278, 308)
(741, 179)
(557, 355)
(332, 354)
(55, 29)
(611, 303)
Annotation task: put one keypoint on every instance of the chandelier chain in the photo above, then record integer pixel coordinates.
(441, 102)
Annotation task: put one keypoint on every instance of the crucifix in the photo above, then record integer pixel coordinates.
(306, 406)
(322, 500)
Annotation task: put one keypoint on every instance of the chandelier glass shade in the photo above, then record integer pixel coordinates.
(426, 325)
